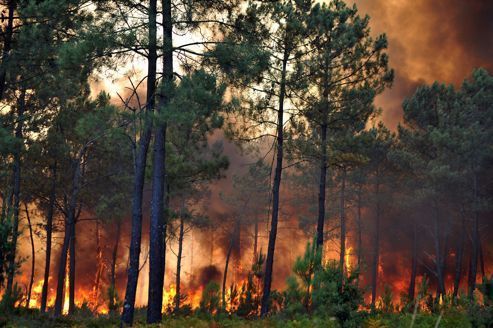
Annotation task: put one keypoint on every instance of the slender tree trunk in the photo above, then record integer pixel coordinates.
(475, 240)
(139, 176)
(16, 191)
(322, 188)
(33, 255)
(114, 257)
(255, 241)
(438, 255)
(376, 250)
(342, 214)
(414, 261)
(69, 240)
(7, 45)
(323, 163)
(481, 258)
(62, 271)
(360, 228)
(49, 231)
(459, 256)
(269, 264)
(225, 273)
(158, 215)
(181, 236)
(100, 266)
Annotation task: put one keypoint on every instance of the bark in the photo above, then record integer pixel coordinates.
(16, 191)
(139, 176)
(414, 262)
(475, 240)
(178, 265)
(255, 241)
(376, 250)
(269, 263)
(114, 257)
(49, 231)
(460, 256)
(342, 214)
(69, 240)
(7, 45)
(158, 215)
(225, 273)
(481, 258)
(62, 271)
(322, 188)
(99, 263)
(323, 163)
(33, 255)
(359, 223)
(438, 255)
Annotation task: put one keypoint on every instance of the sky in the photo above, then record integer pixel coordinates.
(430, 40)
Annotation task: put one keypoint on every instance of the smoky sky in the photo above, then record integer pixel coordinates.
(430, 40)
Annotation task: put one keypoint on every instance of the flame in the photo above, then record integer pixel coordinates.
(347, 259)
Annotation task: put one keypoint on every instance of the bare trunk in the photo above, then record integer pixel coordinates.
(33, 255)
(269, 263)
(459, 256)
(414, 261)
(342, 215)
(322, 188)
(139, 176)
(360, 228)
(100, 266)
(475, 240)
(62, 271)
(158, 212)
(376, 249)
(438, 255)
(181, 236)
(49, 231)
(255, 241)
(114, 257)
(16, 191)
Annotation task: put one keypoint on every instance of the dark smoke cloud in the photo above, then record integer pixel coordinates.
(430, 40)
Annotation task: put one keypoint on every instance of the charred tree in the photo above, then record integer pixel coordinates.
(376, 245)
(114, 257)
(139, 169)
(181, 236)
(33, 255)
(49, 232)
(269, 264)
(158, 212)
(7, 45)
(342, 215)
(414, 261)
(459, 256)
(16, 190)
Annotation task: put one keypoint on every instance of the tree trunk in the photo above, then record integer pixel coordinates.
(62, 271)
(139, 177)
(33, 255)
(414, 261)
(158, 215)
(264, 309)
(438, 255)
(100, 266)
(255, 241)
(7, 45)
(49, 231)
(322, 188)
(342, 214)
(481, 258)
(69, 240)
(459, 256)
(178, 266)
(475, 240)
(114, 257)
(376, 250)
(360, 228)
(225, 273)
(16, 191)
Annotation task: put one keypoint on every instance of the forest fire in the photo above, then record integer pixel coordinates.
(228, 160)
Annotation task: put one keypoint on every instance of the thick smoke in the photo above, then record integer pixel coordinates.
(430, 41)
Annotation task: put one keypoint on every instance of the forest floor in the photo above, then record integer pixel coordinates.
(450, 320)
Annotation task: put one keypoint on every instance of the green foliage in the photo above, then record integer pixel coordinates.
(210, 301)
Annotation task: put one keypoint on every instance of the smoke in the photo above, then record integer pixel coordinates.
(430, 41)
